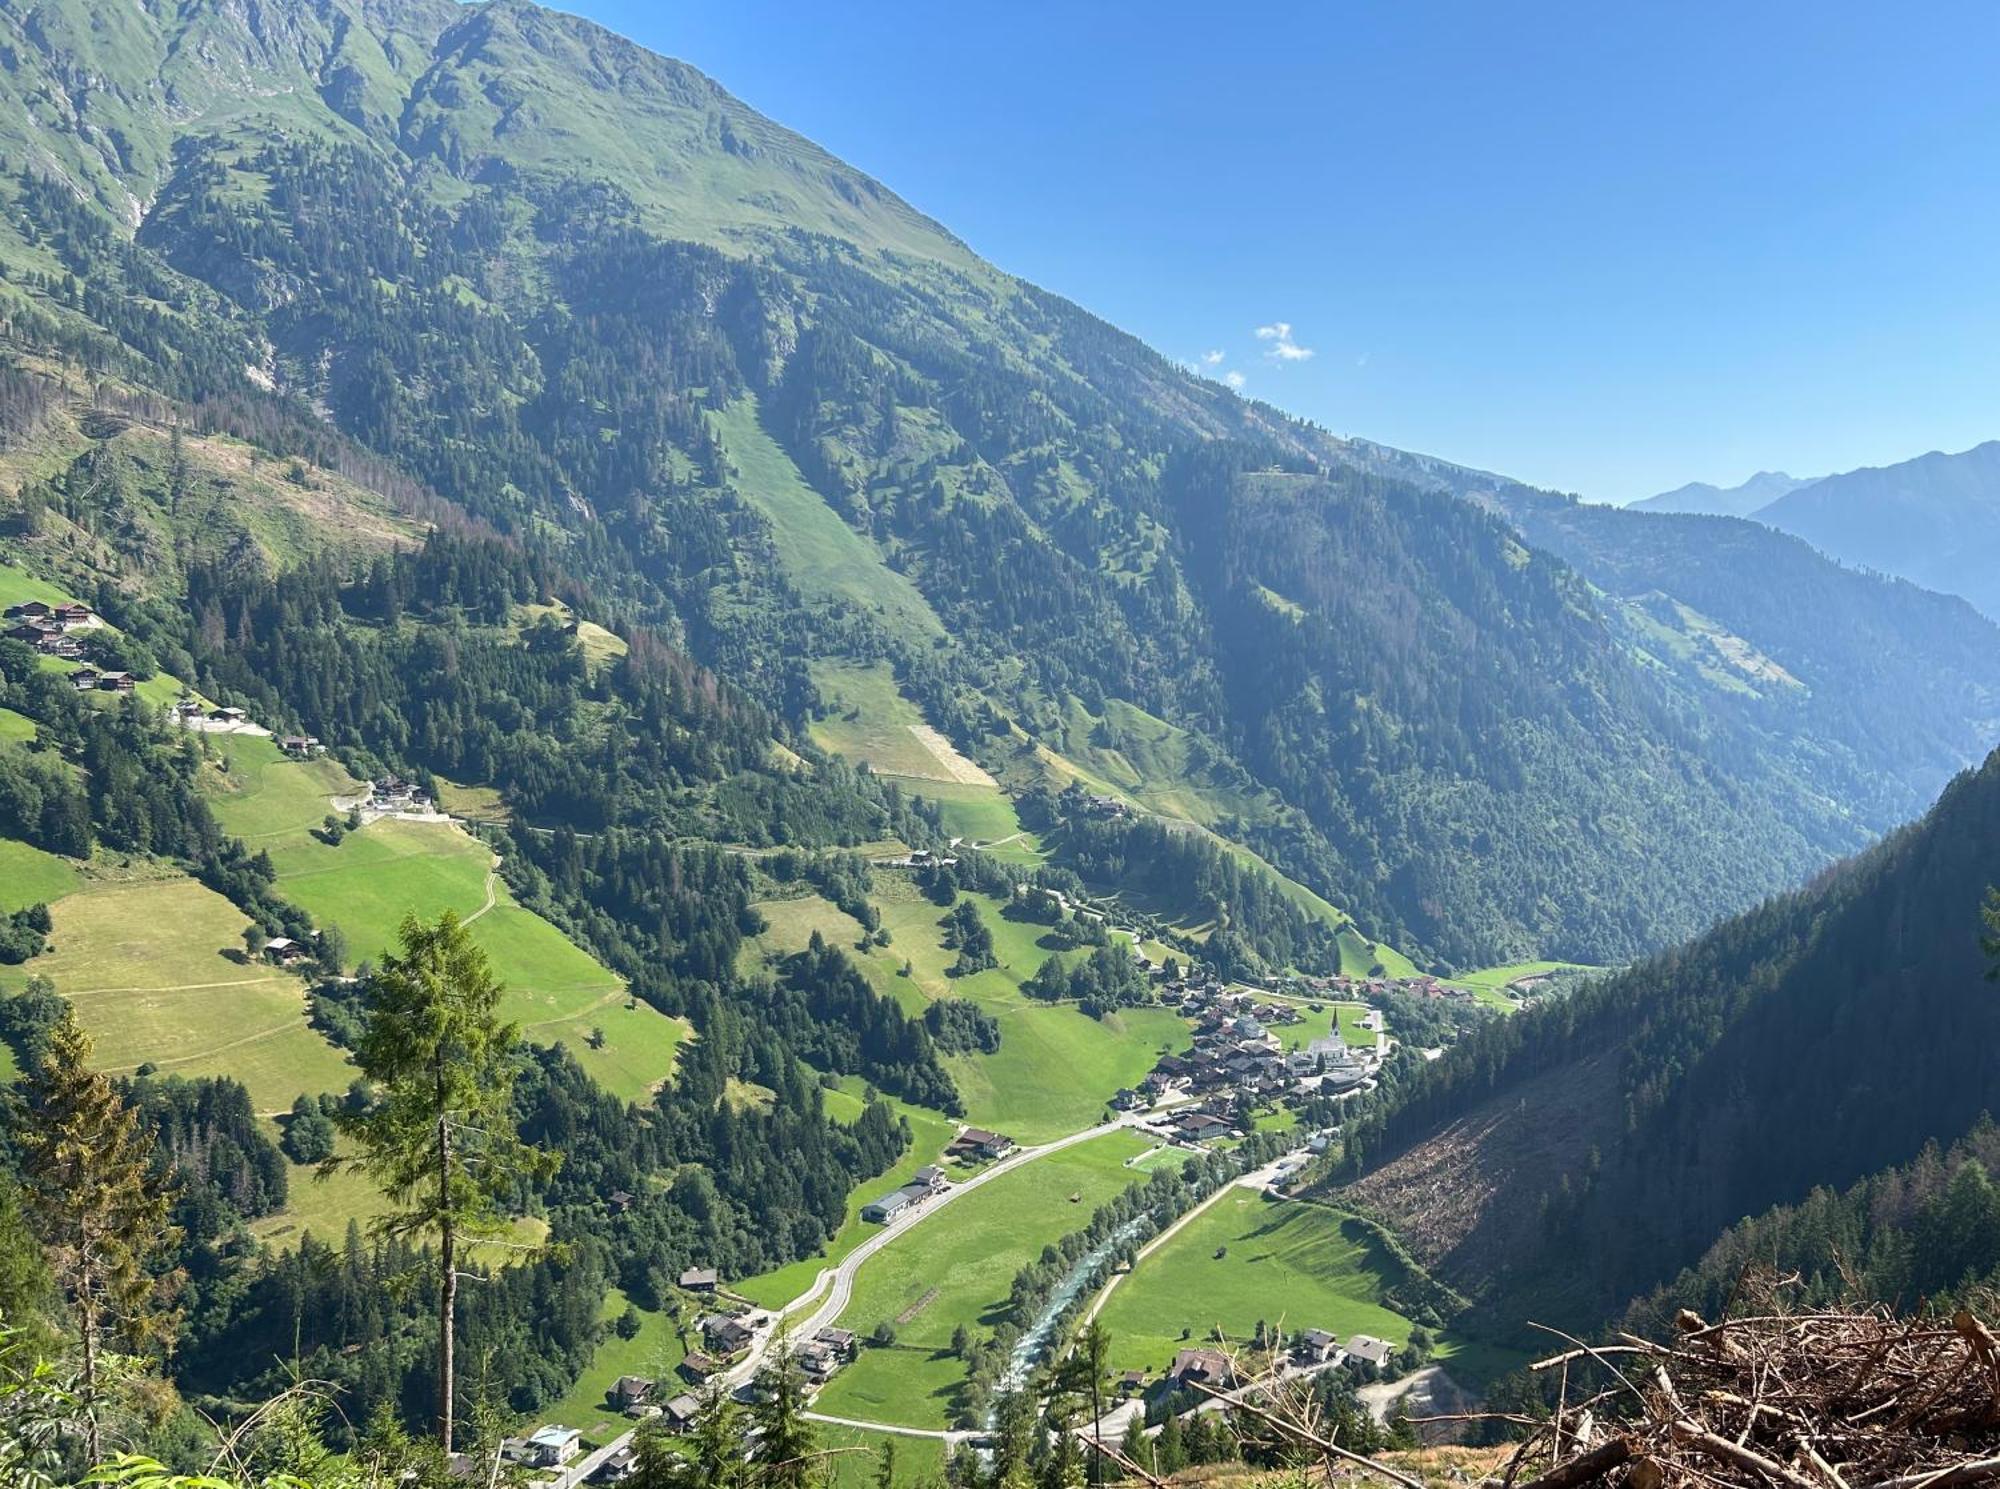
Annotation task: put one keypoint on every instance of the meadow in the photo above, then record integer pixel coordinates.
(29, 876)
(956, 1269)
(1055, 1068)
(1249, 1258)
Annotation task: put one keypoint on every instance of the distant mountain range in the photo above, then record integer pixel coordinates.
(1759, 491)
(1934, 520)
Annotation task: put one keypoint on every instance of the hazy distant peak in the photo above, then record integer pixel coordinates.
(1760, 490)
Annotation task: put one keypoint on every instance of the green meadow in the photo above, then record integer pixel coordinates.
(28, 876)
(956, 1268)
(1249, 1258)
(1055, 1068)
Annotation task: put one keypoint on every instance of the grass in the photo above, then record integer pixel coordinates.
(28, 876)
(654, 1352)
(15, 728)
(929, 1132)
(828, 560)
(1055, 1068)
(919, 1460)
(557, 992)
(1307, 1265)
(1489, 984)
(147, 965)
(957, 1269)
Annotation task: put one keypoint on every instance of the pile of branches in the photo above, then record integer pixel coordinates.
(1856, 1399)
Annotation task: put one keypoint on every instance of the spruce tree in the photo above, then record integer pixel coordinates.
(100, 1210)
(787, 1443)
(440, 1139)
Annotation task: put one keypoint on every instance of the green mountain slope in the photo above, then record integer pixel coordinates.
(512, 267)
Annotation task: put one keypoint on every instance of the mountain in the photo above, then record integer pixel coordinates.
(724, 388)
(1934, 520)
(1828, 1035)
(1741, 500)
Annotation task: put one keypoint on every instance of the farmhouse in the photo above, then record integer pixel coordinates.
(1370, 1350)
(116, 682)
(1208, 1367)
(284, 950)
(681, 1412)
(30, 610)
(699, 1367)
(84, 679)
(228, 716)
(977, 1142)
(301, 746)
(725, 1333)
(32, 631)
(630, 1391)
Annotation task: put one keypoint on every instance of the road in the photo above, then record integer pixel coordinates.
(833, 1289)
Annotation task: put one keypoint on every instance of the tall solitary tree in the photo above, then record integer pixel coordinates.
(440, 1140)
(100, 1210)
(1084, 1372)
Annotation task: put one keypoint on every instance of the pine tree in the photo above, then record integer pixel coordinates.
(99, 1209)
(787, 1442)
(440, 1140)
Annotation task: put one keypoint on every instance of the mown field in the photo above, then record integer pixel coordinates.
(956, 1268)
(28, 876)
(365, 885)
(1055, 1068)
(1250, 1258)
(1489, 984)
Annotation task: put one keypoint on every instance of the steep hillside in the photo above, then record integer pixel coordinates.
(1826, 1035)
(1741, 500)
(495, 262)
(1877, 690)
(1935, 520)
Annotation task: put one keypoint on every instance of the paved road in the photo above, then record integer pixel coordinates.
(833, 1289)
(585, 1466)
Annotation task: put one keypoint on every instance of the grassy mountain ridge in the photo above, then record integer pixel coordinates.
(576, 291)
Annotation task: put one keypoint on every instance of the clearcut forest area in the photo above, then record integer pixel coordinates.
(657, 828)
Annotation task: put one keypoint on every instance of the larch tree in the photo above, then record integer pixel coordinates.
(439, 1139)
(100, 1209)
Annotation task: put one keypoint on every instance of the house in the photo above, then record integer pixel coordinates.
(30, 610)
(116, 682)
(630, 1390)
(620, 1201)
(71, 614)
(1370, 1350)
(1201, 1127)
(977, 1142)
(1316, 1347)
(84, 679)
(698, 1367)
(841, 1341)
(32, 631)
(64, 648)
(228, 716)
(887, 1207)
(284, 950)
(301, 746)
(725, 1333)
(552, 1447)
(681, 1411)
(617, 1467)
(933, 1178)
(1207, 1367)
(694, 1279)
(1131, 1383)
(816, 1361)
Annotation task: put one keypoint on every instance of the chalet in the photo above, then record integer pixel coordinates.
(32, 631)
(725, 1333)
(64, 648)
(1201, 1127)
(1370, 1350)
(620, 1200)
(933, 1178)
(284, 950)
(841, 1341)
(1316, 1347)
(1131, 1383)
(116, 682)
(30, 610)
(630, 1390)
(617, 1467)
(552, 1447)
(977, 1142)
(1208, 1367)
(188, 708)
(699, 1367)
(84, 679)
(71, 614)
(228, 716)
(681, 1411)
(1128, 1100)
(301, 746)
(694, 1279)
(816, 1361)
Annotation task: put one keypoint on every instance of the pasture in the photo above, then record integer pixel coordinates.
(28, 876)
(1249, 1258)
(957, 1268)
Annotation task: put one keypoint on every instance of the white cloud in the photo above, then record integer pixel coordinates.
(1212, 359)
(1283, 348)
(1234, 379)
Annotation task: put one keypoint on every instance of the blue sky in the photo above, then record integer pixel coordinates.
(1602, 247)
